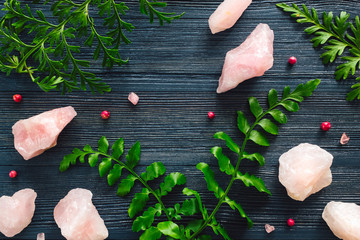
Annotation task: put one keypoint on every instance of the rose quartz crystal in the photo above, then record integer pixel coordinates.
(304, 170)
(40, 236)
(227, 14)
(78, 218)
(133, 98)
(17, 211)
(343, 219)
(344, 139)
(251, 59)
(269, 228)
(36, 134)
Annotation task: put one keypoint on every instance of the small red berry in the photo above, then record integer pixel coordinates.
(17, 98)
(211, 115)
(290, 222)
(292, 60)
(325, 126)
(105, 114)
(12, 174)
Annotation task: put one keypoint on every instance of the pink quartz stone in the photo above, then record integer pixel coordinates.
(36, 134)
(17, 211)
(304, 170)
(343, 219)
(133, 98)
(344, 139)
(269, 228)
(40, 236)
(78, 218)
(227, 14)
(251, 59)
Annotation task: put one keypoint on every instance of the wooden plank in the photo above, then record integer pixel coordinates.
(175, 69)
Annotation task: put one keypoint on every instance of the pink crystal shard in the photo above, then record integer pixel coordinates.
(36, 134)
(344, 139)
(251, 59)
(133, 98)
(269, 228)
(40, 236)
(304, 170)
(227, 14)
(343, 219)
(78, 218)
(17, 211)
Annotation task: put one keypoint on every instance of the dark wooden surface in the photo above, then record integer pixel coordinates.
(175, 70)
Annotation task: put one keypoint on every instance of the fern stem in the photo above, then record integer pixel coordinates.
(39, 44)
(140, 180)
(104, 48)
(233, 178)
(9, 36)
(119, 20)
(342, 39)
(9, 5)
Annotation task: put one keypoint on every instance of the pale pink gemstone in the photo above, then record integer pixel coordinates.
(344, 139)
(133, 98)
(36, 134)
(343, 219)
(227, 14)
(17, 211)
(269, 228)
(304, 170)
(251, 59)
(40, 236)
(78, 218)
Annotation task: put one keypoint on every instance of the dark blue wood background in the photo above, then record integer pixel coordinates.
(175, 69)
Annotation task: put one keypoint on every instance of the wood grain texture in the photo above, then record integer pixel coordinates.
(175, 69)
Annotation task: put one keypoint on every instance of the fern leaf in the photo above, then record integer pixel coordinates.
(138, 202)
(170, 182)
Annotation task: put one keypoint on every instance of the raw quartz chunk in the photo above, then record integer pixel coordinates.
(40, 236)
(269, 228)
(133, 98)
(304, 170)
(344, 139)
(17, 211)
(227, 14)
(36, 134)
(343, 219)
(251, 59)
(78, 218)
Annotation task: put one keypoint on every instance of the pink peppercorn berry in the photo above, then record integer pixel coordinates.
(12, 174)
(105, 114)
(290, 222)
(17, 98)
(292, 60)
(211, 115)
(325, 126)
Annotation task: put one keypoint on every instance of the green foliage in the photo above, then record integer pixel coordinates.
(229, 142)
(212, 184)
(289, 101)
(146, 220)
(224, 162)
(112, 167)
(151, 233)
(170, 229)
(148, 8)
(334, 35)
(159, 221)
(138, 202)
(53, 52)
(253, 181)
(218, 229)
(190, 207)
(170, 182)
